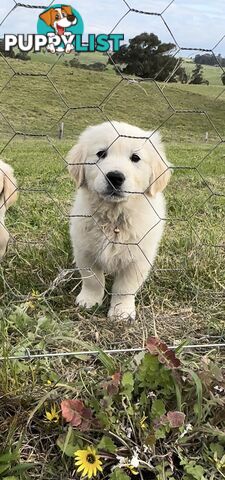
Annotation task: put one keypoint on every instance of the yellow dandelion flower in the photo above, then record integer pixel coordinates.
(143, 423)
(29, 305)
(130, 469)
(35, 293)
(88, 462)
(53, 415)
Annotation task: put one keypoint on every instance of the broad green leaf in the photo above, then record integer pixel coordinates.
(153, 375)
(198, 385)
(8, 457)
(10, 478)
(217, 448)
(119, 474)
(68, 439)
(21, 467)
(68, 449)
(158, 408)
(127, 383)
(178, 395)
(107, 445)
(107, 361)
(197, 471)
(4, 467)
(161, 432)
(193, 469)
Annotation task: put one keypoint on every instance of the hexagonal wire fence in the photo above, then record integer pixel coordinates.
(12, 131)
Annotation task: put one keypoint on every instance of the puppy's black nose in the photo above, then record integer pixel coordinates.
(71, 18)
(115, 178)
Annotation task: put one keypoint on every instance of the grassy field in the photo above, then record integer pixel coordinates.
(184, 297)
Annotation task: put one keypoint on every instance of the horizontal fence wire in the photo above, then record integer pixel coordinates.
(116, 351)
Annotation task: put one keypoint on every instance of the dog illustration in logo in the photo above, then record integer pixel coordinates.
(59, 19)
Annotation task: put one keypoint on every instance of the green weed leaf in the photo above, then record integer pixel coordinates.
(67, 444)
(119, 474)
(4, 467)
(128, 384)
(107, 445)
(158, 408)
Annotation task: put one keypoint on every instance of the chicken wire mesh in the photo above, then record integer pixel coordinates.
(185, 293)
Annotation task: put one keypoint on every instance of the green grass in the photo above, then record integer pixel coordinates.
(184, 296)
(39, 221)
(83, 58)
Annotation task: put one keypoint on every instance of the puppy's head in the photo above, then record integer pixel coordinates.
(8, 189)
(59, 18)
(117, 160)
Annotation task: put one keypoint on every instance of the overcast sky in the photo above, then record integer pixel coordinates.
(191, 23)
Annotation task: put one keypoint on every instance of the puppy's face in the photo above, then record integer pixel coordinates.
(59, 18)
(117, 161)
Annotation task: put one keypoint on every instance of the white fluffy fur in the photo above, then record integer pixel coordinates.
(121, 235)
(8, 195)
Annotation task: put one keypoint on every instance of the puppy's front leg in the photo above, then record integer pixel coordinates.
(4, 238)
(126, 285)
(93, 287)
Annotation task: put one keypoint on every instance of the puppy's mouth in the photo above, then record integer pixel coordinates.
(60, 30)
(114, 195)
(64, 23)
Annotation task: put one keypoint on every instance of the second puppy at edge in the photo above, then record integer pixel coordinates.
(117, 219)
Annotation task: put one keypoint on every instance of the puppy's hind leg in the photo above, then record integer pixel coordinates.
(93, 287)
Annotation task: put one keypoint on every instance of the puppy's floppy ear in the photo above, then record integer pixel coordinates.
(8, 187)
(47, 17)
(161, 168)
(67, 9)
(75, 159)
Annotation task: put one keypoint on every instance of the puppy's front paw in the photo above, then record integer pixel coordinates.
(88, 300)
(122, 311)
(69, 48)
(51, 48)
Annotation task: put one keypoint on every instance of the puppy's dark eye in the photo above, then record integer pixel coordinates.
(102, 154)
(135, 158)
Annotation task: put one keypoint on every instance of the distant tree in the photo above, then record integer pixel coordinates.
(23, 56)
(10, 54)
(205, 59)
(75, 63)
(98, 66)
(182, 77)
(197, 75)
(210, 59)
(147, 57)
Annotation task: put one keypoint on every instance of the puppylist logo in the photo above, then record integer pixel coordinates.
(60, 28)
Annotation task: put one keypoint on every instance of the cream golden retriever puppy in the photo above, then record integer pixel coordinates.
(8, 195)
(118, 215)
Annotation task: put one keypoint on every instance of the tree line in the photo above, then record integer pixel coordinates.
(210, 59)
(146, 56)
(11, 54)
